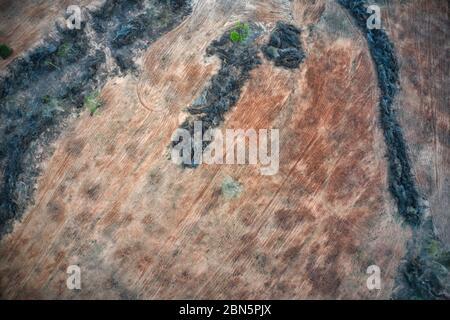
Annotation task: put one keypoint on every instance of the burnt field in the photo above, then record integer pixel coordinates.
(53, 81)
(87, 115)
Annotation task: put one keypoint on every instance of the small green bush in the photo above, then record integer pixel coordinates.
(231, 188)
(235, 36)
(240, 32)
(92, 102)
(5, 51)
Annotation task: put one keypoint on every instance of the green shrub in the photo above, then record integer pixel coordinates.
(5, 51)
(92, 102)
(231, 188)
(433, 248)
(240, 32)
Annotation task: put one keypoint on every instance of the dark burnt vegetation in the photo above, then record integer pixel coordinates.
(284, 47)
(224, 90)
(425, 271)
(135, 23)
(51, 82)
(41, 90)
(401, 181)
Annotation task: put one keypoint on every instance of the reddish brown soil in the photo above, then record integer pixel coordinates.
(111, 201)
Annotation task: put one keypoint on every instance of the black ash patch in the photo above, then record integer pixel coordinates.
(425, 274)
(284, 47)
(401, 181)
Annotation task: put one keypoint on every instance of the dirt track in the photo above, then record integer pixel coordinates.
(111, 201)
